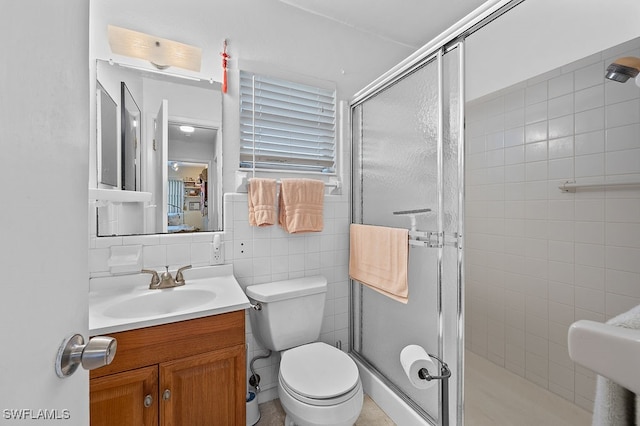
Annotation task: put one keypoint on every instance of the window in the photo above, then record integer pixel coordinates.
(286, 125)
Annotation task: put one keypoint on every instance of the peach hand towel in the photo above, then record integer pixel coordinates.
(379, 257)
(262, 202)
(301, 205)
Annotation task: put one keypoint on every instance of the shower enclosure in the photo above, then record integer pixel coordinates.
(407, 138)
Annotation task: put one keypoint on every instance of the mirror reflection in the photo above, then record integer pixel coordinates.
(130, 137)
(107, 111)
(169, 145)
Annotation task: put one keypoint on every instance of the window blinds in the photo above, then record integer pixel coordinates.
(175, 196)
(286, 125)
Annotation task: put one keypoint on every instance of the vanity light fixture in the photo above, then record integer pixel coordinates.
(162, 53)
(187, 129)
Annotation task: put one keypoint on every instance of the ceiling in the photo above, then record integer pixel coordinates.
(411, 23)
(200, 135)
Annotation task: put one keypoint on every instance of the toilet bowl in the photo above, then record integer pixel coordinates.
(318, 384)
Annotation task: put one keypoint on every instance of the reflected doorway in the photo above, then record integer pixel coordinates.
(191, 187)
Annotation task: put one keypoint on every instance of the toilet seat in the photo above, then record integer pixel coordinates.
(319, 374)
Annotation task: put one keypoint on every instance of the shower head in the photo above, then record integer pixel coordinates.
(623, 68)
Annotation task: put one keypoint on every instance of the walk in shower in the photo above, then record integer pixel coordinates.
(407, 139)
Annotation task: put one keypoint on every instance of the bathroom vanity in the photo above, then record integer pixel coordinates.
(181, 352)
(185, 373)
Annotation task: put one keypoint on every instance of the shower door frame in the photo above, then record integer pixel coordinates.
(450, 39)
(437, 57)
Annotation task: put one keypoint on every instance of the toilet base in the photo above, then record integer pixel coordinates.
(301, 414)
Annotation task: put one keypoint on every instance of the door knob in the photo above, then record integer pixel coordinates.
(98, 352)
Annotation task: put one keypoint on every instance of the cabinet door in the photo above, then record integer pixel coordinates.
(203, 390)
(122, 399)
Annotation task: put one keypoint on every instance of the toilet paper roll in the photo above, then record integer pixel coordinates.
(413, 358)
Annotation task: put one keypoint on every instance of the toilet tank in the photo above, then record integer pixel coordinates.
(291, 311)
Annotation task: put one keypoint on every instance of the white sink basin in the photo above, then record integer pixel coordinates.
(159, 302)
(608, 350)
(125, 302)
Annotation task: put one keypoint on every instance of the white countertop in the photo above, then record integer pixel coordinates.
(125, 302)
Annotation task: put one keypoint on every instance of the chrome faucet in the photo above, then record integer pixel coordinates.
(179, 276)
(165, 280)
(155, 279)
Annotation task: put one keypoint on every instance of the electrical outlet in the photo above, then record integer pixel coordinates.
(218, 256)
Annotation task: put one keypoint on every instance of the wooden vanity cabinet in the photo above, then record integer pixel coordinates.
(185, 373)
(120, 398)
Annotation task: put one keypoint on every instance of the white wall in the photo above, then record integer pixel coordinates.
(539, 35)
(269, 34)
(539, 259)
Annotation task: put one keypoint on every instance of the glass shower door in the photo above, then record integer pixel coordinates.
(406, 153)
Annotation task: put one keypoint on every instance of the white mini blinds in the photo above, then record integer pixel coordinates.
(286, 125)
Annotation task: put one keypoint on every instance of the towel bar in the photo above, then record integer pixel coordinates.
(572, 186)
(332, 184)
(433, 239)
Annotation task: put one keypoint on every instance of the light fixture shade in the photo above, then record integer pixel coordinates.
(162, 53)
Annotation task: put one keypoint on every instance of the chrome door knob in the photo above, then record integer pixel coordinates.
(98, 352)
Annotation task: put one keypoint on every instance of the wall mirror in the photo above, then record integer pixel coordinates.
(169, 144)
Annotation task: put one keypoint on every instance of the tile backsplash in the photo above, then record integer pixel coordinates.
(538, 258)
(258, 255)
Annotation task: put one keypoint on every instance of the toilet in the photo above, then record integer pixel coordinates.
(318, 384)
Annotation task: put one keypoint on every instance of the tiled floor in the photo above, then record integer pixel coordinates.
(493, 397)
(272, 414)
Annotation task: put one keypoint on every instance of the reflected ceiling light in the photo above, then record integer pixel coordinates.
(187, 129)
(162, 53)
(175, 166)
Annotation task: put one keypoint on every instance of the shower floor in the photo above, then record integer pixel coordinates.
(496, 397)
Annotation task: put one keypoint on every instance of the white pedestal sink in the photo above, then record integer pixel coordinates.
(611, 351)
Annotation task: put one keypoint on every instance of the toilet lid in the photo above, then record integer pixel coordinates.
(318, 371)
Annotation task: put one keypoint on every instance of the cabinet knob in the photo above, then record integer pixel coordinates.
(148, 400)
(166, 394)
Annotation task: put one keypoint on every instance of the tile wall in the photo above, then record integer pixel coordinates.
(258, 255)
(537, 258)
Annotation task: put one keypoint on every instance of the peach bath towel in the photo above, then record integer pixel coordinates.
(261, 195)
(301, 205)
(379, 257)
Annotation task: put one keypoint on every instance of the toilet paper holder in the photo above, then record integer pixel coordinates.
(445, 373)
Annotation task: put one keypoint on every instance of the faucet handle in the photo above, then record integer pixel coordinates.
(179, 276)
(155, 279)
